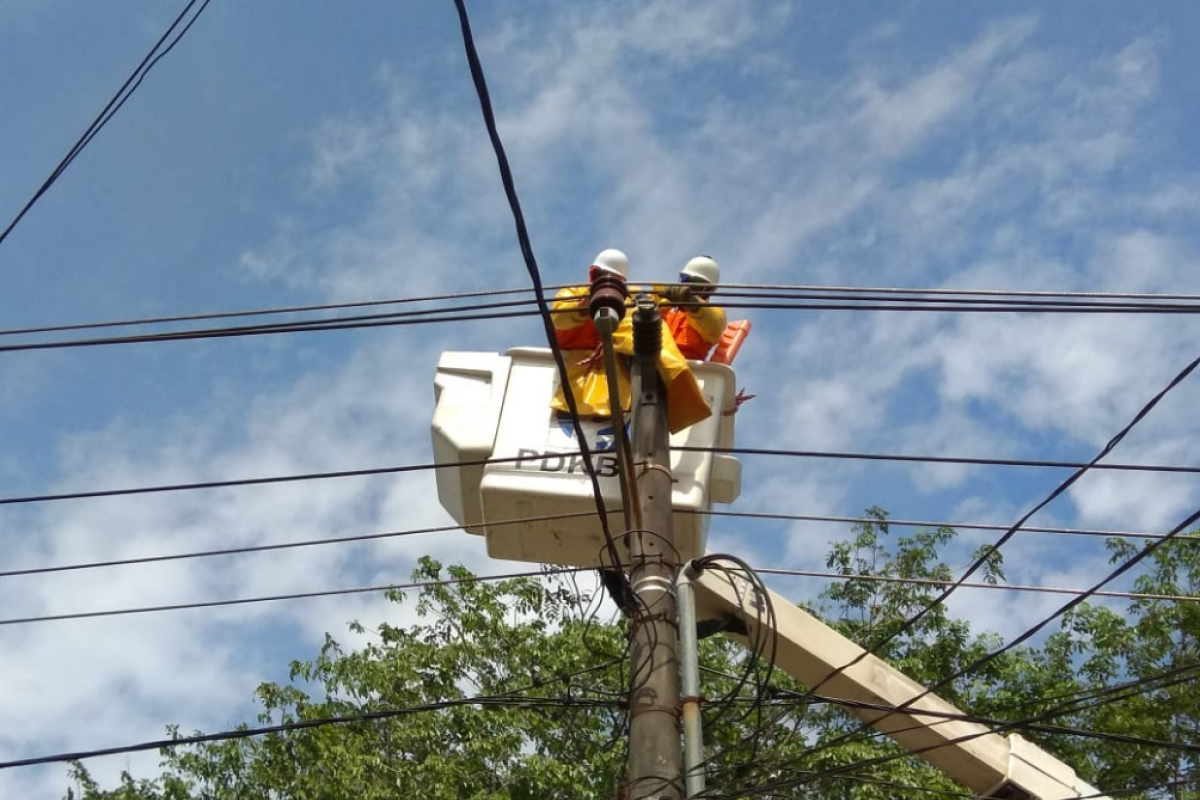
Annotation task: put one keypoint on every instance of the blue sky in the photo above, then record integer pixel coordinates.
(299, 152)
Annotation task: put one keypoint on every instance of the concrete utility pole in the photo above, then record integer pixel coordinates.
(655, 754)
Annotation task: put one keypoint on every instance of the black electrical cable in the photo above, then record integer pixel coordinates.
(510, 699)
(284, 310)
(1098, 795)
(1075, 702)
(1001, 726)
(1124, 567)
(897, 290)
(422, 317)
(494, 523)
(905, 787)
(959, 308)
(1093, 698)
(763, 647)
(266, 548)
(909, 523)
(1059, 490)
(120, 612)
(989, 550)
(926, 459)
(87, 494)
(132, 561)
(1129, 689)
(426, 316)
(1154, 789)
(311, 476)
(1082, 699)
(260, 312)
(1003, 587)
(983, 304)
(114, 105)
(1022, 638)
(514, 203)
(1039, 727)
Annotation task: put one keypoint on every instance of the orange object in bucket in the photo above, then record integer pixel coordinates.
(731, 341)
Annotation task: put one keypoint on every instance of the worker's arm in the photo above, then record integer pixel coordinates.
(708, 320)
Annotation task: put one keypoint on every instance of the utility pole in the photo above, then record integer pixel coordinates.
(655, 754)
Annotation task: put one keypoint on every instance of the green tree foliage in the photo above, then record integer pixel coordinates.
(1151, 651)
(555, 727)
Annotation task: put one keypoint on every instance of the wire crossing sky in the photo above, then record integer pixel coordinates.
(966, 237)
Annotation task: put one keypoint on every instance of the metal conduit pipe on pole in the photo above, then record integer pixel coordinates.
(689, 676)
(655, 755)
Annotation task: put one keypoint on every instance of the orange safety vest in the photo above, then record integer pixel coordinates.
(687, 336)
(573, 328)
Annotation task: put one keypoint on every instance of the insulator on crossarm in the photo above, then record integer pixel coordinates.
(606, 303)
(647, 328)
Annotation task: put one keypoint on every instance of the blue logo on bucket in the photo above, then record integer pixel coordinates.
(600, 440)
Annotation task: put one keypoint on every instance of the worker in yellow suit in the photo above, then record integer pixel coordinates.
(580, 341)
(696, 324)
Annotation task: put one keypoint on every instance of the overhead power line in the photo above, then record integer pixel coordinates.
(288, 545)
(96, 493)
(511, 699)
(989, 550)
(452, 313)
(1004, 587)
(260, 312)
(947, 292)
(114, 105)
(393, 319)
(906, 788)
(1086, 699)
(310, 476)
(1025, 725)
(358, 538)
(266, 548)
(119, 612)
(916, 523)
(1121, 569)
(776, 784)
(965, 307)
(1094, 698)
(735, 290)
(928, 459)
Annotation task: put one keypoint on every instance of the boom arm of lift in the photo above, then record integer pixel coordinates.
(991, 765)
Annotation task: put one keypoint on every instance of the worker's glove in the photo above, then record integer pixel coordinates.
(680, 295)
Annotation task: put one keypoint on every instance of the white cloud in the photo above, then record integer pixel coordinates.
(896, 119)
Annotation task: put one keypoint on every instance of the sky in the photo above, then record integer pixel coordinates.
(304, 153)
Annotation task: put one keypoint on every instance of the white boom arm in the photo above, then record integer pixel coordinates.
(810, 651)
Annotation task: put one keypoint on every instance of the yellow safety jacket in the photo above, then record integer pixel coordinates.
(579, 341)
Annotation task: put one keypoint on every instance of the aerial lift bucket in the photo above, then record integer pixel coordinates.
(510, 469)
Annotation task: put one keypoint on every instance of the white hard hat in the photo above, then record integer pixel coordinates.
(702, 268)
(612, 261)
